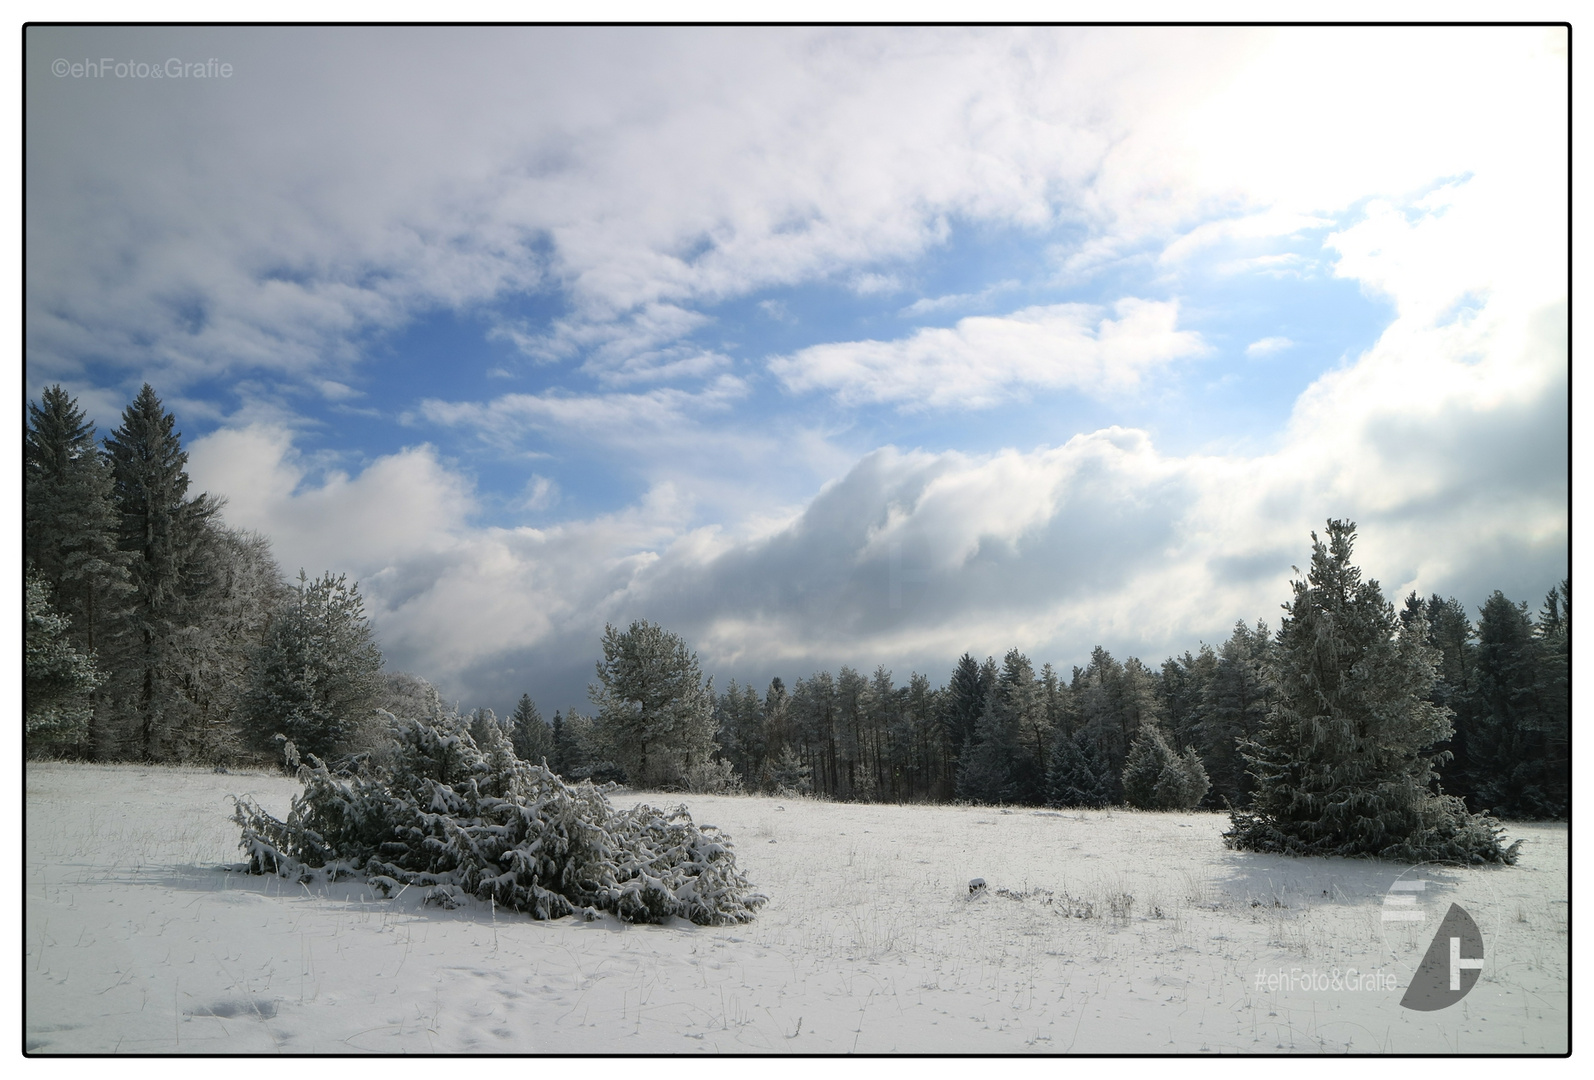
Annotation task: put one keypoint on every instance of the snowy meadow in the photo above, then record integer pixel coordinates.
(1096, 931)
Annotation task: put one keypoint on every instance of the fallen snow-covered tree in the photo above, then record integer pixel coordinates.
(480, 822)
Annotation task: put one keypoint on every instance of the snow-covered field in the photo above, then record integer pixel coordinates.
(1098, 931)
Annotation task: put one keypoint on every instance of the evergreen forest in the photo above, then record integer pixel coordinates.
(154, 632)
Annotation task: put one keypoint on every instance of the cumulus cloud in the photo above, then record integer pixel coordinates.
(1445, 443)
(612, 167)
(984, 359)
(717, 164)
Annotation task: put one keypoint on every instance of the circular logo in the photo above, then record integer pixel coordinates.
(1436, 941)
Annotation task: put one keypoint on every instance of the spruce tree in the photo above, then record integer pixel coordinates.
(965, 701)
(1554, 689)
(530, 734)
(163, 531)
(997, 767)
(1344, 764)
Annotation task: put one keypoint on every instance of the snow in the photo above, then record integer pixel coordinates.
(1100, 931)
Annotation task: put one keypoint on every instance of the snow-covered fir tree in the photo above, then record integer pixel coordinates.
(1344, 764)
(316, 678)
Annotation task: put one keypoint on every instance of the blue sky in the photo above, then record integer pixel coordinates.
(819, 346)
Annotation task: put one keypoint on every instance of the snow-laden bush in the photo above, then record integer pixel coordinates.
(462, 819)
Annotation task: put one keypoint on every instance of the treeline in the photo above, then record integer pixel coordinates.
(1181, 735)
(1005, 733)
(155, 632)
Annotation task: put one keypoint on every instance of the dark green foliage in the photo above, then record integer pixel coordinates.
(739, 720)
(1344, 762)
(465, 820)
(70, 525)
(1234, 705)
(1114, 701)
(316, 676)
(531, 735)
(999, 767)
(57, 679)
(1182, 693)
(1518, 738)
(163, 532)
(1158, 777)
(69, 537)
(1076, 776)
(965, 702)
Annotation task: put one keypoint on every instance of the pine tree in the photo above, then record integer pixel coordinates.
(739, 722)
(1344, 763)
(317, 674)
(654, 708)
(789, 776)
(70, 530)
(1181, 691)
(1450, 632)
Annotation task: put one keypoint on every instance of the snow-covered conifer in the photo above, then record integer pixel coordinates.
(464, 822)
(1344, 764)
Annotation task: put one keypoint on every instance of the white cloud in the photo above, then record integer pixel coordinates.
(930, 304)
(717, 164)
(632, 171)
(540, 493)
(1446, 443)
(621, 419)
(776, 309)
(872, 284)
(641, 174)
(985, 359)
(1268, 346)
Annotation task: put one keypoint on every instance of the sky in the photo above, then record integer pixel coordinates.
(822, 346)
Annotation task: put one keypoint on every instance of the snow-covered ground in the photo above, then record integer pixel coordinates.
(1098, 931)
